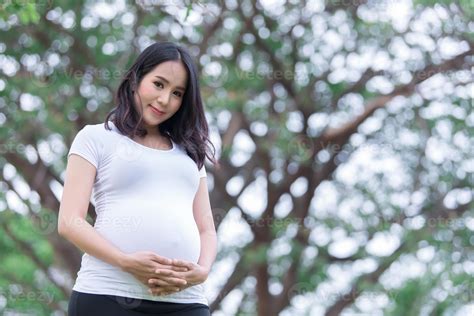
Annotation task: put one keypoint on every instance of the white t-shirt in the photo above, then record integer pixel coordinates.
(143, 199)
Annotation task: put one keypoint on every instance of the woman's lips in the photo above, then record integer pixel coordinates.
(156, 111)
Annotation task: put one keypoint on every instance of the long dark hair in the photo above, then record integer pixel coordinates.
(188, 126)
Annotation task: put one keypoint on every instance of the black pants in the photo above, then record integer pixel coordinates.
(85, 304)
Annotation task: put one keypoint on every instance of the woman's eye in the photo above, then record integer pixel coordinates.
(178, 94)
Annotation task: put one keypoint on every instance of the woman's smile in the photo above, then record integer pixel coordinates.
(156, 111)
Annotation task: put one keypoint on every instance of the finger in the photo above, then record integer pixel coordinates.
(169, 281)
(165, 272)
(162, 260)
(155, 283)
(180, 279)
(179, 269)
(174, 268)
(182, 263)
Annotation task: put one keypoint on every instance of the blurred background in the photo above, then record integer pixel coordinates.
(344, 130)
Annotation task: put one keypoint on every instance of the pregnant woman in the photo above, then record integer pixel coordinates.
(153, 242)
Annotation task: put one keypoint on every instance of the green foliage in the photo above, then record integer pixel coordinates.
(407, 298)
(25, 10)
(256, 255)
(15, 265)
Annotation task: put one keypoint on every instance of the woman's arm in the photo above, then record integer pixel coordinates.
(72, 224)
(205, 222)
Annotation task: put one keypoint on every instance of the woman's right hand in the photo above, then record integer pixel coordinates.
(143, 264)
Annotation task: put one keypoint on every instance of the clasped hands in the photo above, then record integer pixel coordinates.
(163, 275)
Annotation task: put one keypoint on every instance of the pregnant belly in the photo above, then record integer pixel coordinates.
(174, 235)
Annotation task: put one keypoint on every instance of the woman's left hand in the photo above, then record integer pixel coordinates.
(196, 274)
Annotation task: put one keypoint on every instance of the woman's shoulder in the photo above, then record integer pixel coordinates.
(96, 133)
(98, 128)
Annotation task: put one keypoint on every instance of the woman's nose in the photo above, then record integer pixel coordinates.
(163, 98)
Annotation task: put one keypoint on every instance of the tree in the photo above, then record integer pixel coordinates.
(316, 89)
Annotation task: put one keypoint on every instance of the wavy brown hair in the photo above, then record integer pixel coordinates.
(188, 126)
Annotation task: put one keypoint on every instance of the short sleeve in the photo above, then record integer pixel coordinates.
(86, 146)
(202, 172)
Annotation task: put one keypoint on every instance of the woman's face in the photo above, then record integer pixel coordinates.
(161, 89)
